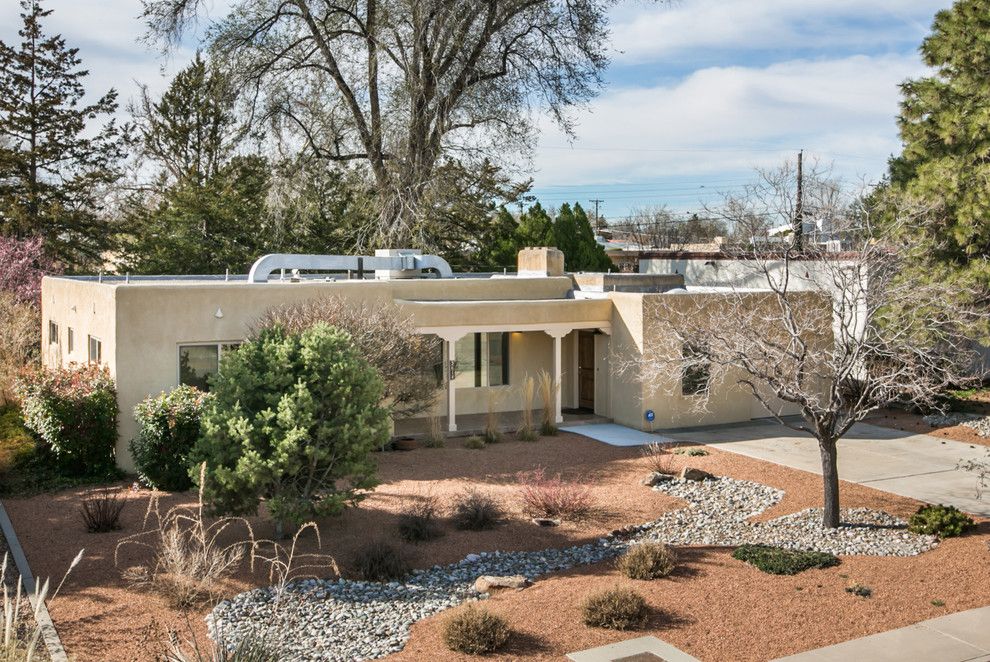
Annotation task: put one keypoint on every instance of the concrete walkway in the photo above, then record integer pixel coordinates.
(959, 637)
(912, 465)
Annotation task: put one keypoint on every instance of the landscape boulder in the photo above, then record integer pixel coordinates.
(486, 583)
(656, 478)
(690, 473)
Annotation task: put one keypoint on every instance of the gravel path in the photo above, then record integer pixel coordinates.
(331, 620)
(981, 424)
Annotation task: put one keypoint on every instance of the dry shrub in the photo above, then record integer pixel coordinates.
(20, 341)
(475, 510)
(21, 633)
(418, 523)
(547, 387)
(492, 434)
(379, 561)
(648, 560)
(542, 496)
(435, 437)
(475, 443)
(660, 457)
(526, 431)
(245, 650)
(101, 513)
(190, 560)
(616, 609)
(475, 631)
(408, 362)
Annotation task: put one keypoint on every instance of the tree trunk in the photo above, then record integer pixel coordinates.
(830, 478)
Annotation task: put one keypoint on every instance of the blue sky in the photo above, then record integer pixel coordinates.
(699, 92)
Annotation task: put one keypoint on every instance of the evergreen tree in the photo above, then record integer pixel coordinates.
(53, 171)
(535, 228)
(499, 245)
(945, 164)
(576, 238)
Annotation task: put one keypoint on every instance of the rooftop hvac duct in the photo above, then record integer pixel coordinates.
(265, 265)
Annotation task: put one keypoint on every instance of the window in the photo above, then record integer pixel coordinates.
(482, 360)
(52, 333)
(95, 350)
(197, 363)
(70, 339)
(696, 372)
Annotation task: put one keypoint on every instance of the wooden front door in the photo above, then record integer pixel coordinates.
(586, 370)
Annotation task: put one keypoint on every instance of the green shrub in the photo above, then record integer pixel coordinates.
(474, 442)
(74, 413)
(293, 420)
(169, 430)
(475, 631)
(16, 443)
(616, 609)
(476, 511)
(378, 561)
(778, 561)
(860, 590)
(941, 521)
(648, 560)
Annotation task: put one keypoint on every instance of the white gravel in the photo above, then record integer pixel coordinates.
(979, 423)
(331, 620)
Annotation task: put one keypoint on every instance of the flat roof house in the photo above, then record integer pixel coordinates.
(156, 332)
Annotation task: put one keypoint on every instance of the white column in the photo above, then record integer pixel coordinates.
(557, 376)
(448, 371)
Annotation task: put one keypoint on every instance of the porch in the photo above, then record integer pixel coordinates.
(508, 422)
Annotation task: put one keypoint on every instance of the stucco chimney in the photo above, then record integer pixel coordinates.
(542, 261)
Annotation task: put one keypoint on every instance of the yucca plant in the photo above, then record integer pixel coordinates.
(526, 431)
(547, 387)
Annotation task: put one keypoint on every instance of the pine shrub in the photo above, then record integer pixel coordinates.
(778, 561)
(941, 521)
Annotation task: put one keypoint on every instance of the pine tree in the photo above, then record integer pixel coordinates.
(535, 228)
(53, 171)
(576, 238)
(945, 164)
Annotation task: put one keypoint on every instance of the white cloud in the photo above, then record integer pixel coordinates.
(730, 118)
(690, 28)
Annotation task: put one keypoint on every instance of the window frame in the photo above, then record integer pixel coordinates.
(482, 360)
(70, 340)
(53, 332)
(90, 339)
(695, 379)
(221, 345)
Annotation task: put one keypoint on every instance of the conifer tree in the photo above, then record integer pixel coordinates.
(54, 167)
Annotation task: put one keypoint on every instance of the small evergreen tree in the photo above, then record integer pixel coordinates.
(575, 237)
(54, 168)
(535, 228)
(944, 165)
(292, 421)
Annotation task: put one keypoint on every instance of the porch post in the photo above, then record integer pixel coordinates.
(557, 376)
(448, 375)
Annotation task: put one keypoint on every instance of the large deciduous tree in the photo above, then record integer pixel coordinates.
(406, 87)
(55, 166)
(945, 164)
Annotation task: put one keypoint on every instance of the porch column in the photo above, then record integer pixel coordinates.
(449, 355)
(557, 335)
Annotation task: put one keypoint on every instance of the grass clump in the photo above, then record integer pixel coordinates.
(419, 523)
(492, 435)
(101, 513)
(660, 457)
(378, 561)
(476, 511)
(692, 452)
(941, 521)
(527, 431)
(543, 496)
(778, 561)
(616, 609)
(648, 560)
(547, 387)
(435, 438)
(474, 442)
(475, 631)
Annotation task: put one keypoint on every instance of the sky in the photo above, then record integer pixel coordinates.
(698, 94)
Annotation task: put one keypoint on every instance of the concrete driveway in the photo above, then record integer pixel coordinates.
(912, 465)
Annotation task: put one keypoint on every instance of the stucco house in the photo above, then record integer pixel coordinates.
(156, 332)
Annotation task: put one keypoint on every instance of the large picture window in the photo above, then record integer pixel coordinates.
(482, 360)
(197, 363)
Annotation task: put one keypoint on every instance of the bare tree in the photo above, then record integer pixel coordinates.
(651, 227)
(831, 336)
(407, 362)
(404, 86)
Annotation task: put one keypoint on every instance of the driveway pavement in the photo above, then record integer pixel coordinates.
(912, 465)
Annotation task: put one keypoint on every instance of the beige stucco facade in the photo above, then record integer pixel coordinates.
(141, 324)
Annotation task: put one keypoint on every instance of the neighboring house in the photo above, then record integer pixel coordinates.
(156, 332)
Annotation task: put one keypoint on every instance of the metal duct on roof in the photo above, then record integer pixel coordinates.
(265, 265)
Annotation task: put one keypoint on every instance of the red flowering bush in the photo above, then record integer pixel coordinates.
(22, 264)
(74, 413)
(543, 496)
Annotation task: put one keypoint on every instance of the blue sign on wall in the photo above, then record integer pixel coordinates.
(649, 415)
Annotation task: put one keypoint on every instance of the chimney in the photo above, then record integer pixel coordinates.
(540, 262)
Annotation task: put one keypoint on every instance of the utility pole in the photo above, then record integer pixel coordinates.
(598, 219)
(799, 206)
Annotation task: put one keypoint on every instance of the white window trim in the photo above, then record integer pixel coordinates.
(218, 344)
(89, 350)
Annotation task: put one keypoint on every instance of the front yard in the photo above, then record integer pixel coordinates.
(712, 606)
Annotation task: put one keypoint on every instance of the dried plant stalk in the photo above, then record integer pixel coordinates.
(526, 431)
(547, 387)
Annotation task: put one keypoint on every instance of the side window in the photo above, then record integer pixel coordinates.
(197, 363)
(95, 350)
(52, 333)
(696, 373)
(70, 340)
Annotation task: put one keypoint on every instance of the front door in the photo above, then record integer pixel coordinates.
(586, 370)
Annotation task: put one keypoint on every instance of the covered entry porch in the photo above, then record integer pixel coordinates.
(490, 347)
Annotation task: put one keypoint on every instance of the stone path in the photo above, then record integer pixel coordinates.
(959, 637)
